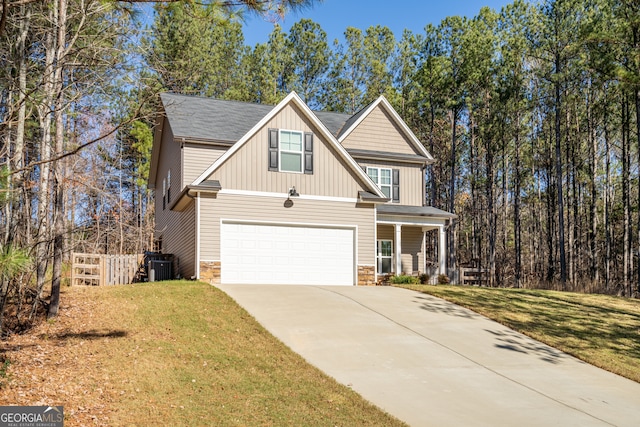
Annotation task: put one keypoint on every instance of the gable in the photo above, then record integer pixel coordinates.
(379, 131)
(248, 168)
(289, 109)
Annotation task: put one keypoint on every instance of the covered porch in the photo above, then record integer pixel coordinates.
(411, 240)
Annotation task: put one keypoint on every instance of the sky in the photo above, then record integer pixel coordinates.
(334, 16)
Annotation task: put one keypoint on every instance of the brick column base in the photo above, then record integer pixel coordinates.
(210, 272)
(366, 275)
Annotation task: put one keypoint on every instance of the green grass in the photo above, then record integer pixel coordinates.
(183, 353)
(599, 329)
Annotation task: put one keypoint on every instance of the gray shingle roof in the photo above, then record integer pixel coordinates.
(333, 121)
(385, 155)
(428, 211)
(213, 119)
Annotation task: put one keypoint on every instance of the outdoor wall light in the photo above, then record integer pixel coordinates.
(292, 193)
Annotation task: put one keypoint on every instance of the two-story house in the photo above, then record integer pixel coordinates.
(251, 193)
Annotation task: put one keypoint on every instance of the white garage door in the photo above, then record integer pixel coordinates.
(279, 254)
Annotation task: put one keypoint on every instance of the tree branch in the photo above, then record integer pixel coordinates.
(79, 148)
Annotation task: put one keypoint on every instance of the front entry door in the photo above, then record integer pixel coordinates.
(384, 256)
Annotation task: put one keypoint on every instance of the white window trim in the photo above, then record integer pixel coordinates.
(168, 186)
(164, 193)
(280, 150)
(377, 181)
(379, 256)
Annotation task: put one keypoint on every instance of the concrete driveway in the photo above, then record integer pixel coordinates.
(432, 363)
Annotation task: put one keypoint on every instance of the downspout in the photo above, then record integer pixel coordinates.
(198, 236)
(375, 243)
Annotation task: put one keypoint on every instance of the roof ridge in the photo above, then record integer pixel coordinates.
(212, 98)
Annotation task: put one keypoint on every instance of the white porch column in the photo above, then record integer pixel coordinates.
(423, 252)
(398, 248)
(442, 250)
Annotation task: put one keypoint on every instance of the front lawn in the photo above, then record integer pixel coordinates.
(599, 329)
(170, 353)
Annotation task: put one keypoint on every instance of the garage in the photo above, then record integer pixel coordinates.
(256, 253)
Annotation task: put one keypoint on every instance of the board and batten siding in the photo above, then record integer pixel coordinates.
(248, 168)
(271, 210)
(378, 132)
(197, 158)
(411, 181)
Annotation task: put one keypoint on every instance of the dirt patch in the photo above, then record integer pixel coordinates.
(59, 362)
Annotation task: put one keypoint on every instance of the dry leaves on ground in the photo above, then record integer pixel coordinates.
(60, 362)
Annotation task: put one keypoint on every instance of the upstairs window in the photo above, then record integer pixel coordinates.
(382, 178)
(388, 180)
(290, 151)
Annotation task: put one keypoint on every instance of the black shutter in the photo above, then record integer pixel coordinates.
(273, 150)
(308, 153)
(395, 185)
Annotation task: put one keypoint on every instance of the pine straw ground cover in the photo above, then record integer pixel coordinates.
(601, 330)
(169, 353)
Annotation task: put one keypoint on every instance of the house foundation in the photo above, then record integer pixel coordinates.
(210, 272)
(366, 275)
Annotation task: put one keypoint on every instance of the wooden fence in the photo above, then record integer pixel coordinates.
(98, 270)
(474, 276)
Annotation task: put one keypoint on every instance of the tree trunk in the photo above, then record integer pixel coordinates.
(491, 211)
(558, 156)
(607, 202)
(516, 207)
(635, 29)
(505, 212)
(635, 32)
(593, 171)
(44, 115)
(551, 216)
(637, 102)
(58, 166)
(17, 217)
(625, 194)
(474, 191)
(452, 197)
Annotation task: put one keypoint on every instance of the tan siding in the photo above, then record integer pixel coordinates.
(411, 257)
(378, 132)
(177, 229)
(170, 158)
(178, 238)
(197, 158)
(385, 232)
(410, 181)
(271, 209)
(247, 169)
